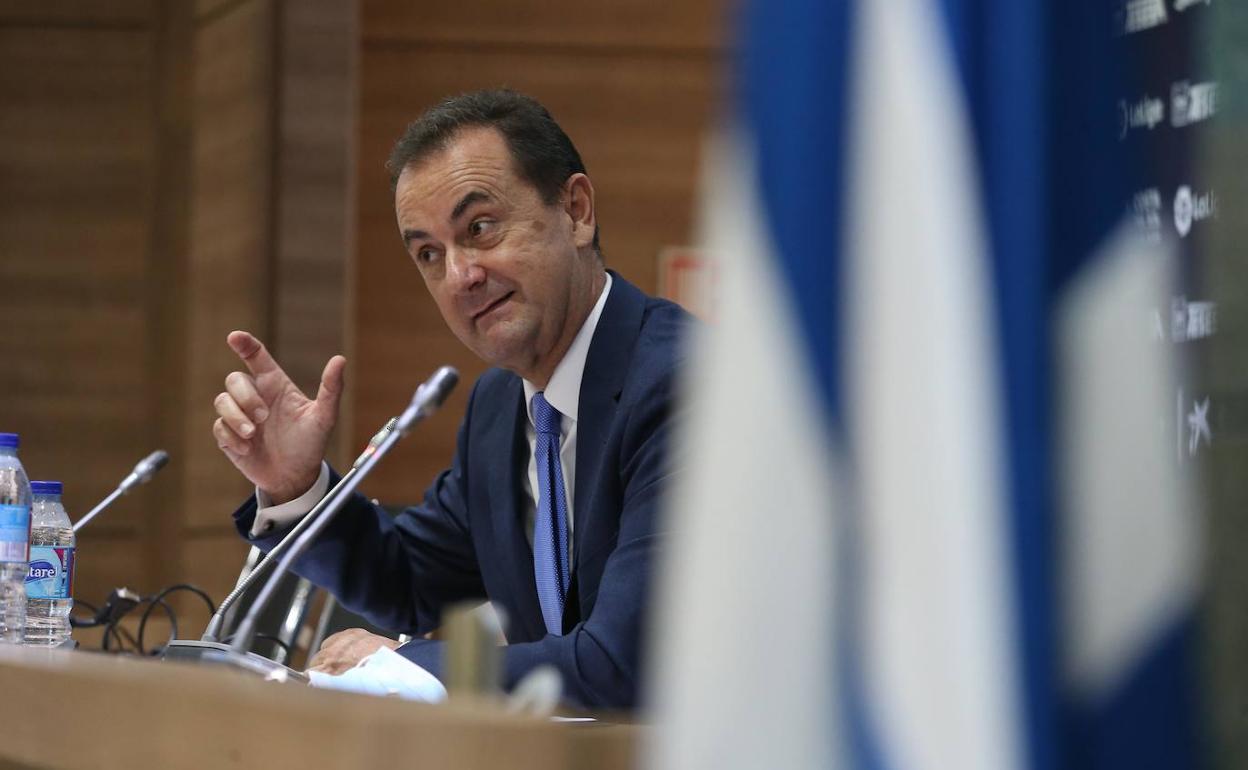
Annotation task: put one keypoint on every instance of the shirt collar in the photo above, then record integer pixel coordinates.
(563, 392)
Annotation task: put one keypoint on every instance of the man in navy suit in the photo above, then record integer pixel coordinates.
(549, 506)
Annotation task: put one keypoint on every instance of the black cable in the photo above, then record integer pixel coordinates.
(113, 631)
(122, 633)
(265, 637)
(201, 593)
(80, 603)
(110, 631)
(118, 632)
(173, 620)
(81, 622)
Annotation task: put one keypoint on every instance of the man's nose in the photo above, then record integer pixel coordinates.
(464, 269)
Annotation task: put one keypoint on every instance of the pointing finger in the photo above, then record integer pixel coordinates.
(252, 352)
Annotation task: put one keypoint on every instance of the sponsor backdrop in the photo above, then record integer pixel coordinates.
(1214, 253)
(963, 504)
(1168, 103)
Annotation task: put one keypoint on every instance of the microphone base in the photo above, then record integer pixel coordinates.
(218, 654)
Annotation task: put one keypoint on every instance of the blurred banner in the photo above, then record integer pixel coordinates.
(933, 516)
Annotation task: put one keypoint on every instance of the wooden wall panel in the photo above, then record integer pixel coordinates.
(273, 224)
(229, 272)
(649, 25)
(169, 238)
(315, 192)
(77, 13)
(140, 148)
(206, 10)
(106, 561)
(212, 562)
(75, 193)
(638, 121)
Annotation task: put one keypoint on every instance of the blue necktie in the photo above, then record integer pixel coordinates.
(550, 531)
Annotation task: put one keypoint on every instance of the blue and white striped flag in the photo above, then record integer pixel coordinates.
(928, 522)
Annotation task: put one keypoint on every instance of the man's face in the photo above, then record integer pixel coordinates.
(512, 276)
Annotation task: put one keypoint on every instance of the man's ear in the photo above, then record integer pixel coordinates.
(579, 205)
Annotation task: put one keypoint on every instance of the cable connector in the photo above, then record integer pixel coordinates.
(120, 601)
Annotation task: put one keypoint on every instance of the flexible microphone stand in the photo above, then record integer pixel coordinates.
(426, 401)
(428, 397)
(213, 631)
(142, 473)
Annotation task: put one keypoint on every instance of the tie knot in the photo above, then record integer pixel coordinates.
(545, 417)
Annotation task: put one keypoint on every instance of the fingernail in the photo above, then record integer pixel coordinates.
(248, 429)
(261, 414)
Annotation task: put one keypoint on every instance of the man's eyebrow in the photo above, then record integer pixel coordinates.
(475, 196)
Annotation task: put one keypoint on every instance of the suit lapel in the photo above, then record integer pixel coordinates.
(507, 505)
(601, 383)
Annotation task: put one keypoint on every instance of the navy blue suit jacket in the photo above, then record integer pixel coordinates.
(468, 539)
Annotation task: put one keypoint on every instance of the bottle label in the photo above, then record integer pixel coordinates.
(14, 532)
(51, 573)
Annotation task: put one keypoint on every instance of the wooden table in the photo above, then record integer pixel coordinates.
(79, 709)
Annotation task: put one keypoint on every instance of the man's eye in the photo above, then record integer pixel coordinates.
(425, 256)
(479, 227)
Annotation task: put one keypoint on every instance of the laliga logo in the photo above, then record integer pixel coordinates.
(40, 570)
(1189, 208)
(1143, 114)
(1183, 210)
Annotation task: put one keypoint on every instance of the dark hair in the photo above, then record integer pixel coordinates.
(544, 155)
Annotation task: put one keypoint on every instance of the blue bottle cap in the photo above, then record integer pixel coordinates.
(9, 439)
(46, 487)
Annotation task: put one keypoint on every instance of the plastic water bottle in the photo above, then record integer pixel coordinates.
(50, 582)
(14, 540)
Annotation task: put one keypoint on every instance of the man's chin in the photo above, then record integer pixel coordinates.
(507, 354)
(508, 343)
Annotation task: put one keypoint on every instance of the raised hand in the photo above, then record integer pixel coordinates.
(273, 433)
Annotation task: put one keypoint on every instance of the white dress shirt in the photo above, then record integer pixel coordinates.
(563, 392)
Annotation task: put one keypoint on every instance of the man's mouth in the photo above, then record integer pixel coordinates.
(477, 316)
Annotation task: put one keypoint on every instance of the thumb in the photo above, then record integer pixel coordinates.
(329, 394)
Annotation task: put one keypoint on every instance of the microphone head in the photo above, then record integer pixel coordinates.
(148, 466)
(428, 397)
(441, 384)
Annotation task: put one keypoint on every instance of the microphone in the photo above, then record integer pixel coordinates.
(213, 631)
(428, 397)
(142, 473)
